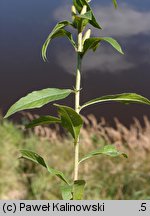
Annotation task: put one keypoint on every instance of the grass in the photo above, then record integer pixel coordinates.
(107, 178)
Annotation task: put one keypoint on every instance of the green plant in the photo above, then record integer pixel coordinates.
(69, 118)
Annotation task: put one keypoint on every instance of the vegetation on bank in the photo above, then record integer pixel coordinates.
(107, 178)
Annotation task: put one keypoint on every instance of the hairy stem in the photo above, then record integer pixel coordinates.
(77, 103)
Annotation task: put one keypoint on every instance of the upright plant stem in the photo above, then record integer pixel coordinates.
(77, 103)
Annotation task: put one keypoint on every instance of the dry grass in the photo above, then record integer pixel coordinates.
(137, 137)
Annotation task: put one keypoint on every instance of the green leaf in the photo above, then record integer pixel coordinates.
(80, 21)
(95, 47)
(78, 189)
(87, 15)
(66, 191)
(79, 5)
(125, 98)
(34, 157)
(43, 120)
(115, 3)
(58, 31)
(70, 120)
(92, 43)
(108, 150)
(114, 43)
(38, 99)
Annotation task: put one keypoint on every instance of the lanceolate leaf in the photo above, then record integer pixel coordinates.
(79, 5)
(43, 120)
(115, 3)
(38, 99)
(30, 155)
(114, 43)
(92, 43)
(70, 120)
(58, 31)
(125, 98)
(108, 150)
(78, 189)
(66, 191)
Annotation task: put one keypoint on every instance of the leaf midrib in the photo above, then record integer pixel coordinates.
(94, 102)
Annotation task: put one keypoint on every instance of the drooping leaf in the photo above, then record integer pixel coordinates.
(78, 189)
(79, 5)
(108, 150)
(95, 47)
(70, 120)
(115, 3)
(66, 191)
(58, 31)
(92, 43)
(125, 98)
(114, 43)
(38, 99)
(43, 120)
(32, 156)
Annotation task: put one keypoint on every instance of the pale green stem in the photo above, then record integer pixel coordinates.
(77, 103)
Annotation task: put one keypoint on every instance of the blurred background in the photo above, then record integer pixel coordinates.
(24, 26)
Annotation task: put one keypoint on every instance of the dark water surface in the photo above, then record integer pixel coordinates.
(24, 25)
